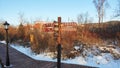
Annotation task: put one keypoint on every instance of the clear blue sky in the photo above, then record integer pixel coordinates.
(43, 9)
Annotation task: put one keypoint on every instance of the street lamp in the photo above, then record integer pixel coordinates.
(6, 25)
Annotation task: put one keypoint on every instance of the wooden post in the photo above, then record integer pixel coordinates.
(59, 44)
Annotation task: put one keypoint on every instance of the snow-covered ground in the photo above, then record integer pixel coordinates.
(103, 61)
(45, 57)
(4, 42)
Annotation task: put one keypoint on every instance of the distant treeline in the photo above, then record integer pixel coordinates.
(107, 30)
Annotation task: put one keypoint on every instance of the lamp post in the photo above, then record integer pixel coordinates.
(6, 25)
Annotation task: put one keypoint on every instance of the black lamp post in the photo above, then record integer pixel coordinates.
(6, 25)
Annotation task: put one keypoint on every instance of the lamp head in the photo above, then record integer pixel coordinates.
(6, 25)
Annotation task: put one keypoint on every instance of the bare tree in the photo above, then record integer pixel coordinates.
(21, 17)
(83, 18)
(80, 18)
(86, 17)
(100, 6)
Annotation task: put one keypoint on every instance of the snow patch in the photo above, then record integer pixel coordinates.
(105, 60)
(4, 42)
(45, 56)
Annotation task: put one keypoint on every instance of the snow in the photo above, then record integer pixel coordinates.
(77, 47)
(78, 60)
(4, 42)
(117, 51)
(45, 57)
(99, 58)
(27, 51)
(105, 60)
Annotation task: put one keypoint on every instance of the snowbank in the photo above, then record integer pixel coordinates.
(4, 42)
(45, 57)
(105, 60)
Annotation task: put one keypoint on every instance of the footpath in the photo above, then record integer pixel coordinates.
(20, 60)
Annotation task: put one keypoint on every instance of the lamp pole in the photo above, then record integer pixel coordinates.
(7, 48)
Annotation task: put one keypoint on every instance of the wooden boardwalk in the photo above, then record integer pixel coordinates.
(19, 60)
